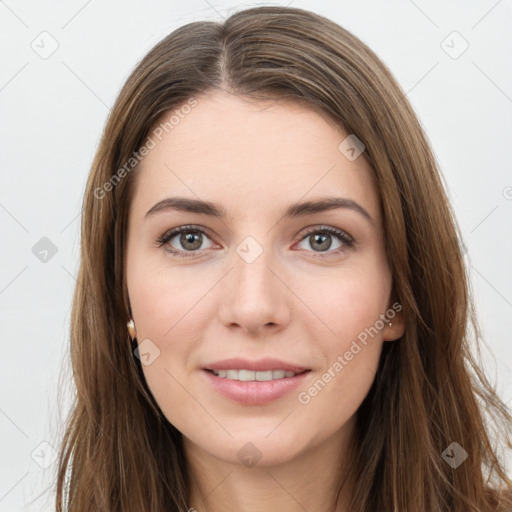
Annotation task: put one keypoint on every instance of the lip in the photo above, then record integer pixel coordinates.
(254, 392)
(260, 365)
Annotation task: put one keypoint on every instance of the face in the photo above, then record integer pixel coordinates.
(257, 279)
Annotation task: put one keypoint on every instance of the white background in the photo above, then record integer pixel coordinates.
(52, 114)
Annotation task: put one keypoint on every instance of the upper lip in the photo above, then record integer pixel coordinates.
(260, 365)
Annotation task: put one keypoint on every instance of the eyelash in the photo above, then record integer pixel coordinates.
(347, 240)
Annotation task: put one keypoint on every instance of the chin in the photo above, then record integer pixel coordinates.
(252, 447)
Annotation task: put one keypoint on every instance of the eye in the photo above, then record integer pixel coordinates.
(320, 238)
(190, 238)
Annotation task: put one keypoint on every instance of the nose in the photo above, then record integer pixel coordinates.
(255, 296)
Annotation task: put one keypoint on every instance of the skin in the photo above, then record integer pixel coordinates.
(295, 302)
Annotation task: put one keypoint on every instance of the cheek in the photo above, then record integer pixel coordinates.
(161, 297)
(347, 303)
(334, 396)
(169, 311)
(162, 304)
(351, 312)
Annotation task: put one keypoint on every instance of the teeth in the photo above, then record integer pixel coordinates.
(232, 374)
(250, 375)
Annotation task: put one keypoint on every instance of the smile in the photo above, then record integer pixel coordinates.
(250, 375)
(254, 387)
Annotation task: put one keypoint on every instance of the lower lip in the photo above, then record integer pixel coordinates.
(254, 392)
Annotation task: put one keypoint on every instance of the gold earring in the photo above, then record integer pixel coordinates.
(131, 329)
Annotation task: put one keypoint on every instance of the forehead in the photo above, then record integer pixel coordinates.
(248, 155)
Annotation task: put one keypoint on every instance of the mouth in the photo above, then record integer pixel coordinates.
(244, 375)
(254, 387)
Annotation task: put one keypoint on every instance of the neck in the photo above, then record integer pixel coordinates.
(309, 481)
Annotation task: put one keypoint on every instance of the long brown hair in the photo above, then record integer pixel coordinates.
(119, 452)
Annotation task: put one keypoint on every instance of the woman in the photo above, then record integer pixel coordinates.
(265, 222)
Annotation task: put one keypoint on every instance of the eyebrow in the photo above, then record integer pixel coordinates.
(185, 204)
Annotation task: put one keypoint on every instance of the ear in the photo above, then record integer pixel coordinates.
(395, 316)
